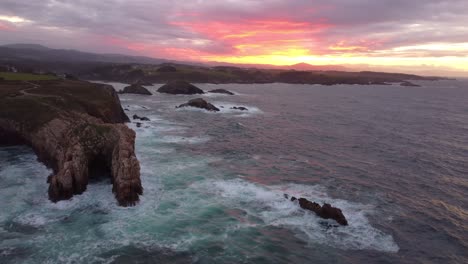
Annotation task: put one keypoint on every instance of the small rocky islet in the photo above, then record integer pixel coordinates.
(135, 89)
(200, 103)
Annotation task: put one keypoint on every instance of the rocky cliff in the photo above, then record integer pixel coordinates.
(76, 129)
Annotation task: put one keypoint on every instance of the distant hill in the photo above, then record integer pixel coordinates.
(308, 67)
(26, 46)
(298, 67)
(35, 52)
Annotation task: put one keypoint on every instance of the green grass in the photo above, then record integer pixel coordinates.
(12, 76)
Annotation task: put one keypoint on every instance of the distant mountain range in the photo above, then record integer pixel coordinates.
(35, 52)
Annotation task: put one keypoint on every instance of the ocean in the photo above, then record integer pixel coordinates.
(394, 159)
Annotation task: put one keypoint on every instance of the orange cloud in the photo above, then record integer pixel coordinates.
(356, 47)
(259, 37)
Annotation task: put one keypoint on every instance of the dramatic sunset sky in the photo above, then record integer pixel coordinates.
(403, 34)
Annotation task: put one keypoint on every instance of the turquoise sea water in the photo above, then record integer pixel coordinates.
(393, 158)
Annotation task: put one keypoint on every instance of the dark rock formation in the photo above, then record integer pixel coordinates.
(241, 108)
(221, 91)
(200, 103)
(326, 211)
(167, 68)
(136, 89)
(409, 84)
(136, 117)
(75, 129)
(180, 87)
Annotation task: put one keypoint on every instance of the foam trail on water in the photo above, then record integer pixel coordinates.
(269, 204)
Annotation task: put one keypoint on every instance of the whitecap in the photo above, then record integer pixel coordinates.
(269, 204)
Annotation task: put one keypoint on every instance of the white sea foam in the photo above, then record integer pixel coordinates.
(32, 219)
(226, 108)
(269, 204)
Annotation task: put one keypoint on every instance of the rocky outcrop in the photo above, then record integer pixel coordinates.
(326, 211)
(221, 91)
(135, 89)
(200, 103)
(180, 87)
(142, 118)
(241, 108)
(76, 129)
(409, 84)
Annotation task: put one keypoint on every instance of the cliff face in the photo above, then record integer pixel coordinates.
(75, 128)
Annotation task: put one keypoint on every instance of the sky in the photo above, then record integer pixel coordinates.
(398, 34)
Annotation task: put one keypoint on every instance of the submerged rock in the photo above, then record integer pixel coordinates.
(200, 103)
(326, 211)
(409, 84)
(136, 117)
(135, 89)
(180, 87)
(76, 129)
(221, 91)
(241, 108)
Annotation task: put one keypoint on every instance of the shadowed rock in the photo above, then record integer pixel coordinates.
(200, 103)
(136, 117)
(135, 89)
(241, 108)
(326, 211)
(75, 129)
(221, 91)
(409, 84)
(180, 87)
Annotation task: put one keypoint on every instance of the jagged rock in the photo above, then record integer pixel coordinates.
(138, 124)
(221, 91)
(409, 84)
(135, 89)
(200, 103)
(136, 117)
(241, 108)
(75, 129)
(326, 211)
(180, 87)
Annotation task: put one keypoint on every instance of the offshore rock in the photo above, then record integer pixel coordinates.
(221, 91)
(144, 118)
(76, 129)
(200, 103)
(409, 84)
(135, 89)
(241, 108)
(180, 87)
(326, 211)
